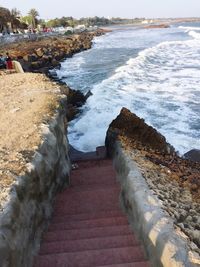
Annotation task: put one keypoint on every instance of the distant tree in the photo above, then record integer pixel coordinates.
(53, 23)
(63, 22)
(27, 20)
(15, 19)
(4, 18)
(15, 13)
(33, 13)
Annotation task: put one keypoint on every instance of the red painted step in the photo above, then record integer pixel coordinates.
(89, 223)
(67, 193)
(95, 201)
(94, 163)
(91, 258)
(87, 233)
(87, 216)
(88, 244)
(88, 176)
(131, 264)
(88, 228)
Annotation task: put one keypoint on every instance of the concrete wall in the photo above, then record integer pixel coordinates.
(29, 209)
(164, 246)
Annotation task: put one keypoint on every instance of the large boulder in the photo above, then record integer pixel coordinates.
(193, 155)
(128, 125)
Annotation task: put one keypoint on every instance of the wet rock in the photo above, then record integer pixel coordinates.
(89, 93)
(55, 63)
(76, 98)
(193, 155)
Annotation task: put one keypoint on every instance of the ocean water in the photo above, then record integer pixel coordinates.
(153, 72)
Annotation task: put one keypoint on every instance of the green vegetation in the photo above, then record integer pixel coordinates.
(33, 15)
(11, 20)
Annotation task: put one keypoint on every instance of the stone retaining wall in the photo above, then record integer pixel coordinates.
(164, 246)
(26, 215)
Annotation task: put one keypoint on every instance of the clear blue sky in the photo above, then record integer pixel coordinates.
(112, 8)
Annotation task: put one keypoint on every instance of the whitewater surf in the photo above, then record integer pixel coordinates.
(154, 73)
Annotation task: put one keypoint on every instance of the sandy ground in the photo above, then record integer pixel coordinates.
(26, 101)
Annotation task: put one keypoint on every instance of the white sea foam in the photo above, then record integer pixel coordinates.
(161, 85)
(189, 28)
(194, 34)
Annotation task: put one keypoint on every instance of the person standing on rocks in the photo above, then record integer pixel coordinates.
(9, 61)
(2, 62)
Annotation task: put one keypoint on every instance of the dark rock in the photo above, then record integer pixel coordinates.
(33, 58)
(76, 98)
(55, 63)
(193, 155)
(89, 93)
(71, 112)
(129, 125)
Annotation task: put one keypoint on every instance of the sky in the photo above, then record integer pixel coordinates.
(108, 8)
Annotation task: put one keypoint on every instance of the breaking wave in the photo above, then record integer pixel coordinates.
(159, 84)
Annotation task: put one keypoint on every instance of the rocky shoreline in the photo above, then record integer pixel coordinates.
(173, 180)
(46, 52)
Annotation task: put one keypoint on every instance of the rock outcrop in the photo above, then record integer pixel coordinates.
(193, 155)
(129, 125)
(75, 99)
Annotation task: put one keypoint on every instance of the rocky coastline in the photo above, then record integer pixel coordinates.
(173, 180)
(47, 52)
(34, 149)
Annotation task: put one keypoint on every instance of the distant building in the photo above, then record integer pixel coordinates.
(145, 21)
(69, 29)
(80, 28)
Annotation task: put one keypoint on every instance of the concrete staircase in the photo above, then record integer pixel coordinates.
(88, 227)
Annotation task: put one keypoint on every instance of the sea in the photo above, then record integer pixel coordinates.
(155, 73)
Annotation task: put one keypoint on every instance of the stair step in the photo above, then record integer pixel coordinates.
(68, 192)
(87, 189)
(91, 257)
(85, 201)
(130, 264)
(88, 227)
(89, 223)
(86, 216)
(87, 233)
(98, 176)
(88, 244)
(94, 163)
